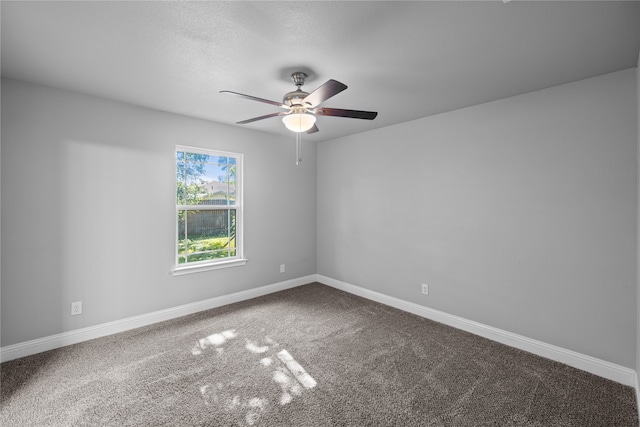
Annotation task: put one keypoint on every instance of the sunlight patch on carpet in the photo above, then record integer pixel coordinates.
(213, 340)
(253, 348)
(298, 371)
(275, 363)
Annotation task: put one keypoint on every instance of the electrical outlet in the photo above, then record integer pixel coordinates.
(281, 268)
(76, 308)
(425, 289)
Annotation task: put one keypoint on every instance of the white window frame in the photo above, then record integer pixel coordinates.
(213, 264)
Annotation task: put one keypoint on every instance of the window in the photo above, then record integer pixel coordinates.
(208, 210)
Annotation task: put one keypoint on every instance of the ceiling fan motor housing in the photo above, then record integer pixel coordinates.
(294, 98)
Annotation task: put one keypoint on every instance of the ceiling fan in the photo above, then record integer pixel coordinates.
(301, 108)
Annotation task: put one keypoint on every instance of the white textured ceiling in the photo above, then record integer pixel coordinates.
(405, 60)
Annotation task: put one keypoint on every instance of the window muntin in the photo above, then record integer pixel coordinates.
(208, 207)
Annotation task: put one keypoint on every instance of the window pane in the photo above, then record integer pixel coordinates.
(181, 236)
(232, 228)
(181, 187)
(208, 180)
(206, 234)
(226, 187)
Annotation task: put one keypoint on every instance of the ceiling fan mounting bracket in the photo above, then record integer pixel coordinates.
(299, 78)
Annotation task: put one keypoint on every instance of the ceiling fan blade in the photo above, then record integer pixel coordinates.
(255, 119)
(339, 112)
(255, 98)
(314, 129)
(324, 92)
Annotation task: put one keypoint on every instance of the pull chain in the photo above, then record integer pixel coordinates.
(298, 148)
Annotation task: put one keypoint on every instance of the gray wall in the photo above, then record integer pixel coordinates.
(638, 228)
(79, 172)
(520, 214)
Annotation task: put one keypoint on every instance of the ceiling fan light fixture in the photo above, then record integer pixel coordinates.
(299, 122)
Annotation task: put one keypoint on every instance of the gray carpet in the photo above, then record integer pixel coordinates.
(309, 356)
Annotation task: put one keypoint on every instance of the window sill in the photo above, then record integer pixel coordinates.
(182, 269)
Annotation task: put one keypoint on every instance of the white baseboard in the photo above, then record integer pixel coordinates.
(637, 388)
(72, 337)
(590, 364)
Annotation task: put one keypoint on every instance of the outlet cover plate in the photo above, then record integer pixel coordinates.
(76, 308)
